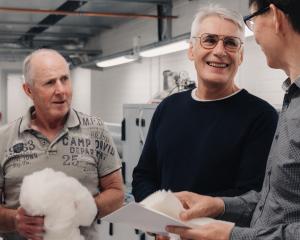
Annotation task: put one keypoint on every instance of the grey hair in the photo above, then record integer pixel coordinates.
(27, 63)
(217, 10)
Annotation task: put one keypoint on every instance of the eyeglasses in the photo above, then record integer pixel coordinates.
(249, 18)
(210, 41)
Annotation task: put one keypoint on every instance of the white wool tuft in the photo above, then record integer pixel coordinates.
(63, 200)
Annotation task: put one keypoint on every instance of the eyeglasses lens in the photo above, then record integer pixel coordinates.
(211, 40)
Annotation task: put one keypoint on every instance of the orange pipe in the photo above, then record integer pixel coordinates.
(88, 14)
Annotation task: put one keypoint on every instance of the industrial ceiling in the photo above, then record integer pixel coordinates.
(67, 25)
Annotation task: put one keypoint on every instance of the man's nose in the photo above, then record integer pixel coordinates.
(59, 87)
(219, 49)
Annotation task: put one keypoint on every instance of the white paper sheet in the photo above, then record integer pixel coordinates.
(148, 220)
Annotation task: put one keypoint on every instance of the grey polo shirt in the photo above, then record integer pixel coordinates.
(274, 213)
(84, 150)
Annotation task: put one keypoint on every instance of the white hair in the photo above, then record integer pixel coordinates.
(216, 10)
(27, 75)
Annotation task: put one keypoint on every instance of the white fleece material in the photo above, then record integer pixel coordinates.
(64, 202)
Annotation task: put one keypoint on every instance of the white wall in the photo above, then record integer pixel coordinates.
(129, 83)
(133, 83)
(258, 78)
(17, 101)
(5, 68)
(81, 81)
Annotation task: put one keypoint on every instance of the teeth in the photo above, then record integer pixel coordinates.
(219, 65)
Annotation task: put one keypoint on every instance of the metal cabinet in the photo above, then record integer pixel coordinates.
(137, 119)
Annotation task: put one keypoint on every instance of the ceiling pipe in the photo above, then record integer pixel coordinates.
(63, 51)
(131, 1)
(11, 24)
(47, 34)
(79, 13)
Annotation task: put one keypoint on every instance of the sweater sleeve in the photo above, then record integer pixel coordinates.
(145, 177)
(254, 154)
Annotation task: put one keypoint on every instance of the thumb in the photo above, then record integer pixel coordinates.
(189, 214)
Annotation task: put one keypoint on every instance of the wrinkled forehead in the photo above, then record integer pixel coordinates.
(48, 59)
(48, 63)
(220, 25)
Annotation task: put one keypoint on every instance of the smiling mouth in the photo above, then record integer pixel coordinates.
(59, 102)
(217, 65)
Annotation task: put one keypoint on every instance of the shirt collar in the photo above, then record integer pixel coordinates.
(286, 85)
(72, 120)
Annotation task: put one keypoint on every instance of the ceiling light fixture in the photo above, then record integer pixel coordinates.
(115, 61)
(165, 49)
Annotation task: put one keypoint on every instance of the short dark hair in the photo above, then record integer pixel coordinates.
(290, 7)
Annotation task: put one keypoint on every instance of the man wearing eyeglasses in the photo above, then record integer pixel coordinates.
(214, 139)
(274, 212)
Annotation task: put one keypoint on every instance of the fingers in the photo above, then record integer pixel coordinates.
(29, 235)
(159, 237)
(182, 199)
(185, 233)
(28, 226)
(186, 198)
(194, 212)
(197, 205)
(34, 223)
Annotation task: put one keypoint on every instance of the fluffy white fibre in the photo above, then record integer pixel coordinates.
(63, 200)
(165, 202)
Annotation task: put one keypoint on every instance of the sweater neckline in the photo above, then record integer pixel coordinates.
(194, 96)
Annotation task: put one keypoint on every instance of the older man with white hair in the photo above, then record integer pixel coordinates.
(214, 139)
(54, 135)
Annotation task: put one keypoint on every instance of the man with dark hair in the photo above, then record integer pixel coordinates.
(273, 213)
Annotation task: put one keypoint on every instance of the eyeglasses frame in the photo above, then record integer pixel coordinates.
(252, 15)
(222, 39)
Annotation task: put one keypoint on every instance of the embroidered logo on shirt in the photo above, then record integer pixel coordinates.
(18, 147)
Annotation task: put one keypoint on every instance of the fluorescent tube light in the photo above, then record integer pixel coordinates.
(166, 49)
(115, 61)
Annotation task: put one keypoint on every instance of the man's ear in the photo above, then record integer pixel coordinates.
(191, 52)
(27, 89)
(278, 18)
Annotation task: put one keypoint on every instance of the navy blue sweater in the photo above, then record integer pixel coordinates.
(216, 148)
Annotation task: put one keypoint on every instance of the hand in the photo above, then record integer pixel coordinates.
(28, 226)
(160, 237)
(212, 231)
(199, 205)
